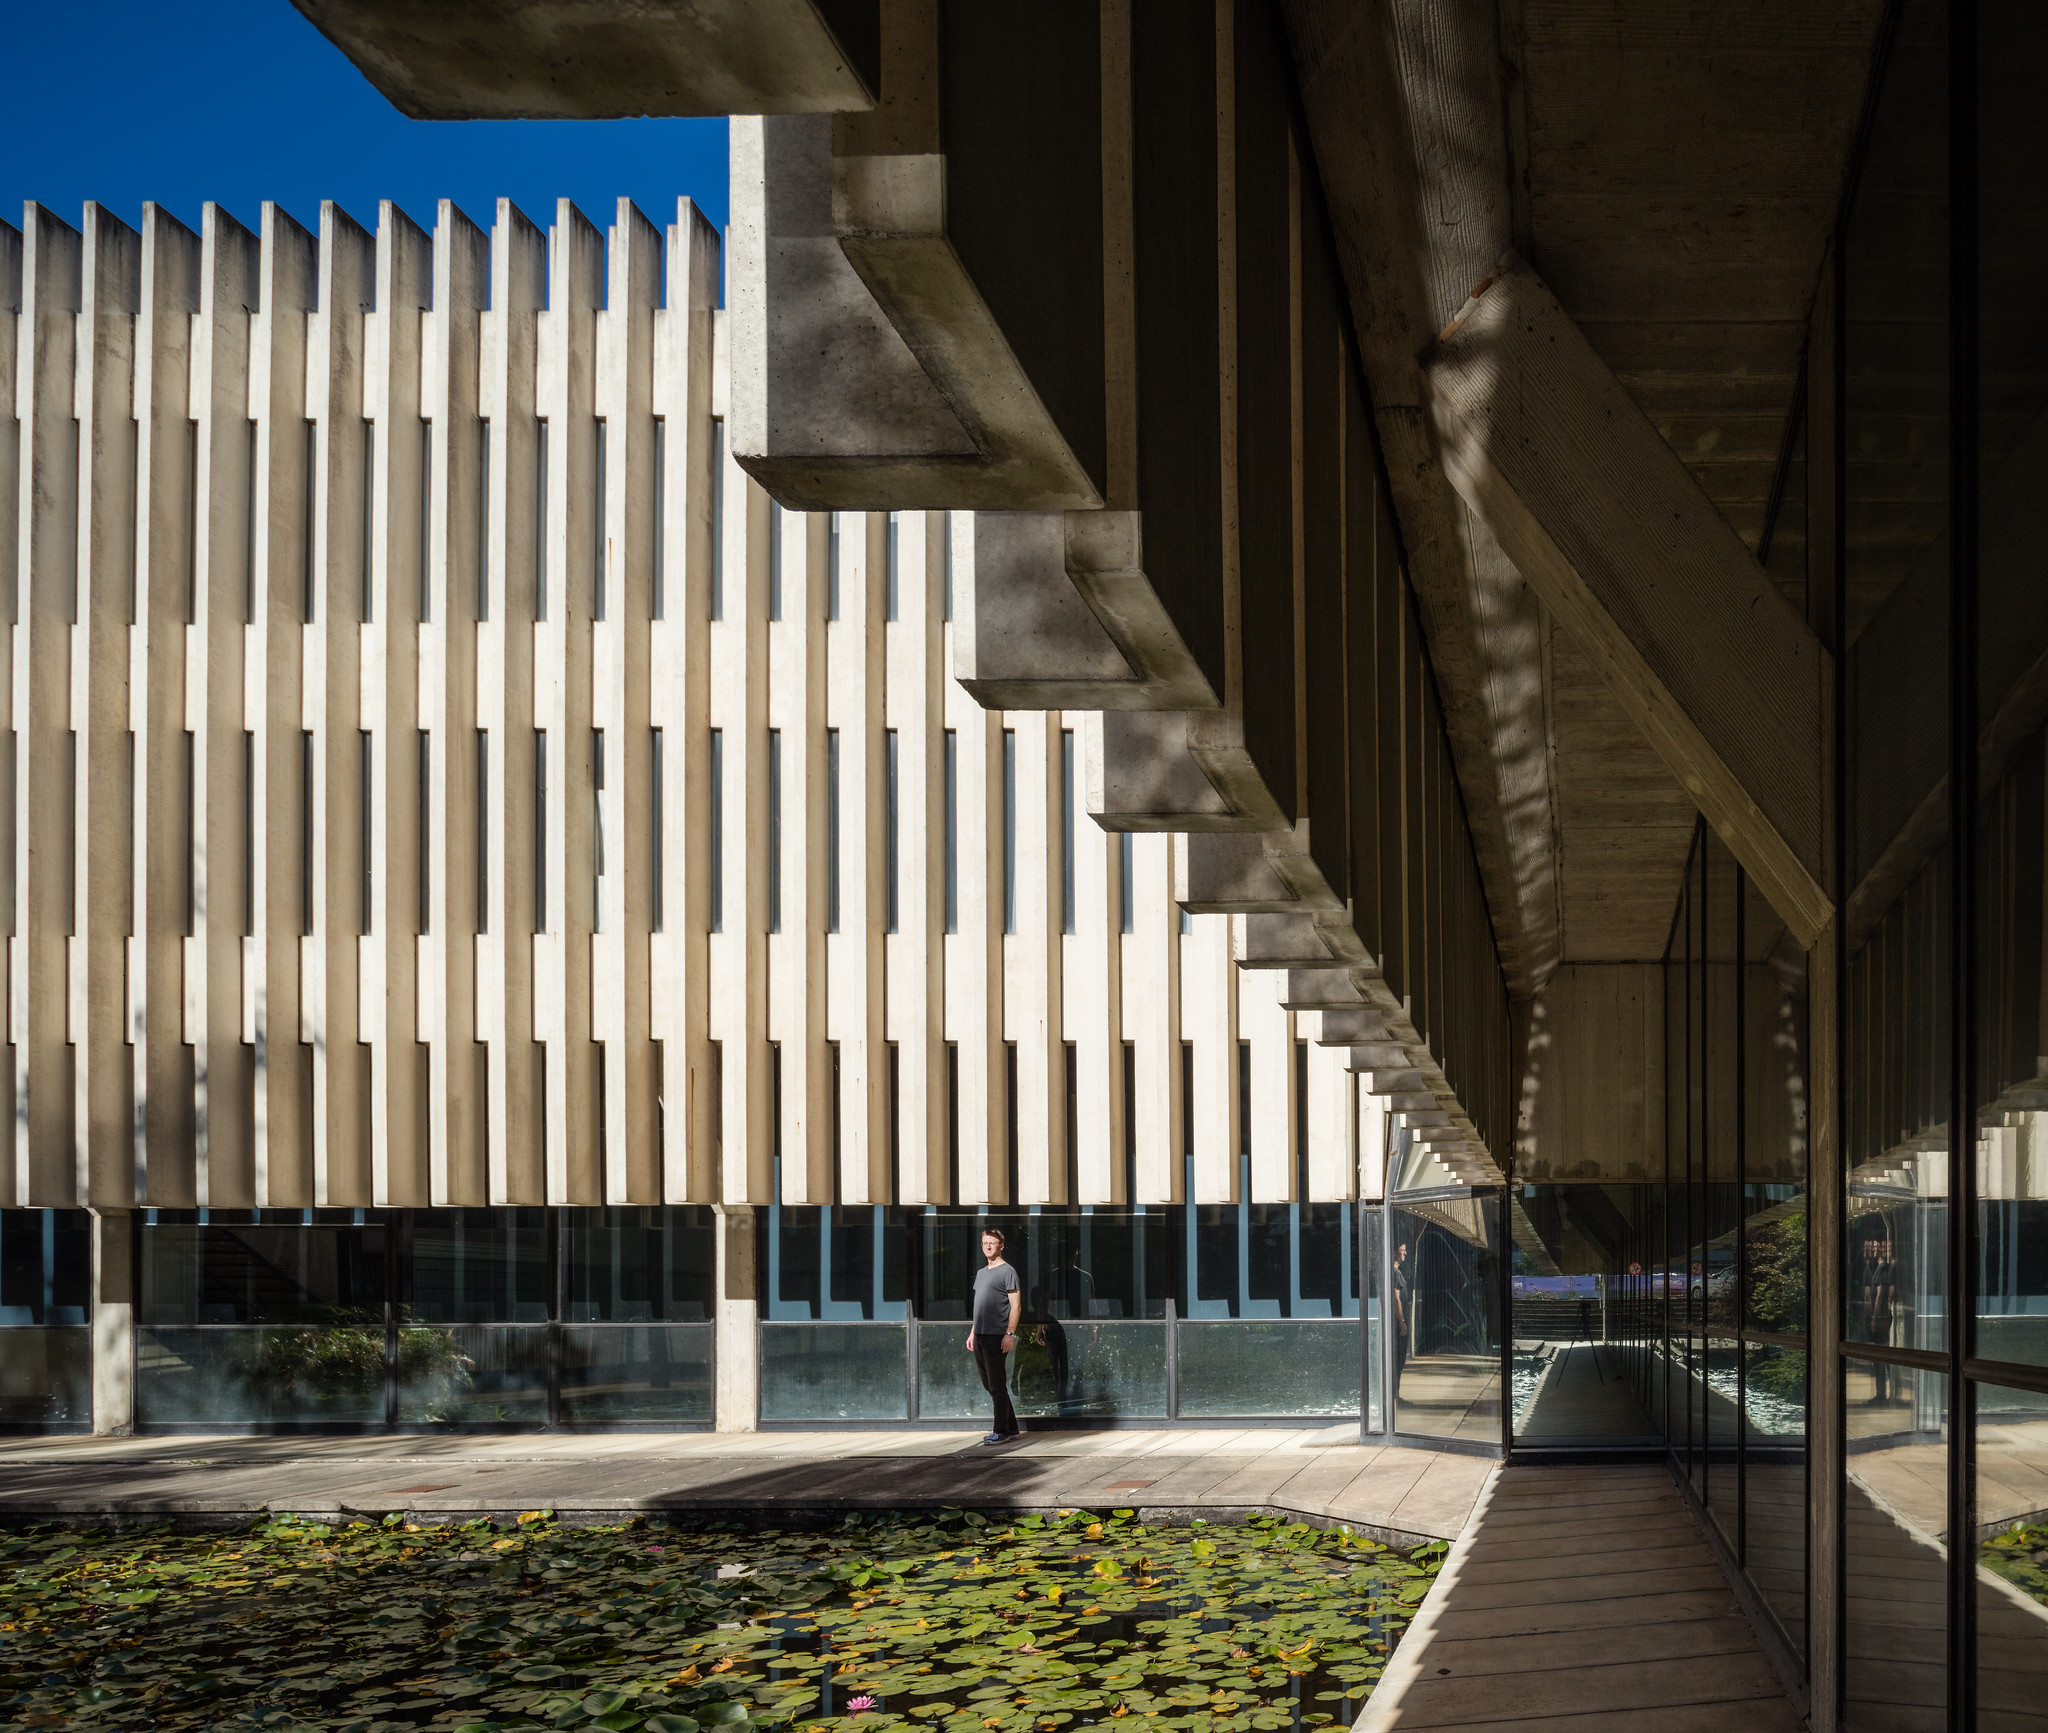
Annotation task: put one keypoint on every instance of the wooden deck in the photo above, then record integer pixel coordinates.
(1585, 1398)
(1323, 1473)
(1581, 1600)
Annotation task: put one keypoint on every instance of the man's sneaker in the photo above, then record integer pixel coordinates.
(999, 1438)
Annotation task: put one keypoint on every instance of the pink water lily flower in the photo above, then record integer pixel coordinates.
(854, 1705)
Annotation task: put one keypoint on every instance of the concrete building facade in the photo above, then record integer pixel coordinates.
(446, 780)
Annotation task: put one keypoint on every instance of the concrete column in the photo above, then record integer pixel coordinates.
(215, 713)
(333, 715)
(1331, 1108)
(619, 985)
(796, 954)
(1275, 1102)
(42, 1168)
(273, 710)
(113, 1324)
(505, 1014)
(737, 1403)
(562, 702)
(739, 955)
(679, 704)
(390, 712)
(1209, 983)
(1031, 966)
(160, 1135)
(1151, 1015)
(99, 709)
(921, 704)
(1094, 1000)
(456, 1116)
(974, 956)
(855, 676)
(1372, 1140)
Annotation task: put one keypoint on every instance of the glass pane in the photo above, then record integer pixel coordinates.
(2012, 1558)
(839, 1262)
(636, 1374)
(639, 1266)
(2012, 1238)
(268, 1267)
(1774, 1479)
(478, 1266)
(1716, 1167)
(1896, 1035)
(1059, 1367)
(238, 1376)
(1673, 1229)
(1572, 1248)
(45, 1377)
(1721, 1417)
(1257, 1368)
(1775, 1097)
(1099, 1264)
(45, 1266)
(834, 1372)
(1445, 1281)
(1372, 1231)
(2012, 636)
(1894, 1520)
(473, 1374)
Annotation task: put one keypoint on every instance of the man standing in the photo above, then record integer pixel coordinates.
(992, 1330)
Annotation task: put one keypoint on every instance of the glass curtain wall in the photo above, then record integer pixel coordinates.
(1159, 1313)
(1442, 1281)
(45, 1341)
(490, 1318)
(1921, 464)
(1576, 1253)
(1703, 1278)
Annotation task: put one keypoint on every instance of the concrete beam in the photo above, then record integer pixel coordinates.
(1054, 611)
(1722, 677)
(1388, 86)
(960, 244)
(539, 60)
(1297, 942)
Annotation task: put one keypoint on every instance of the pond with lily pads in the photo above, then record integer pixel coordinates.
(949, 1621)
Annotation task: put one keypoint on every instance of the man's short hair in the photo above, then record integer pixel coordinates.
(995, 1234)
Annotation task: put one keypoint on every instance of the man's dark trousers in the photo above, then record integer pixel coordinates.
(988, 1361)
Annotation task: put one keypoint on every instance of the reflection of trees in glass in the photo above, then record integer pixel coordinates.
(1777, 1275)
(340, 1359)
(1777, 1372)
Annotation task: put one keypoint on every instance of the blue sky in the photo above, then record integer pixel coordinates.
(239, 101)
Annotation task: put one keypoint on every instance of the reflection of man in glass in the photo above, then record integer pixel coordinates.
(992, 1330)
(1401, 1290)
(1879, 1294)
(1077, 1288)
(1052, 1337)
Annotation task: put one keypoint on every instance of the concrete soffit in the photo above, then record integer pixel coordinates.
(870, 365)
(1386, 86)
(1492, 409)
(1723, 679)
(606, 59)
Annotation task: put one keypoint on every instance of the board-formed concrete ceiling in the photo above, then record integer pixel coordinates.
(1673, 173)
(1676, 172)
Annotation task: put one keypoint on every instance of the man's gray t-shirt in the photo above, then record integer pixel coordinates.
(993, 1286)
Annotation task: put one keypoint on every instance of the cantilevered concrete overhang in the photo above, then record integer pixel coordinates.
(1062, 263)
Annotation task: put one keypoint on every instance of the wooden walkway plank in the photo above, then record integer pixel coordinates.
(1597, 1595)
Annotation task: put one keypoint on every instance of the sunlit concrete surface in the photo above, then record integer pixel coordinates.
(1325, 1474)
